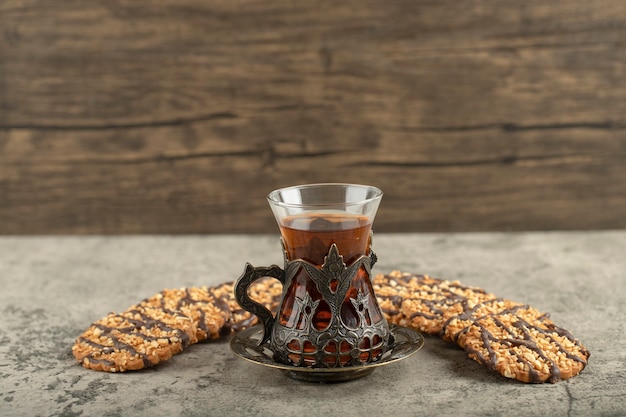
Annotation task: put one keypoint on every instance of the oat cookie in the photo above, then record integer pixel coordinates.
(524, 344)
(163, 325)
(138, 338)
(462, 314)
(195, 303)
(390, 294)
(420, 301)
(393, 289)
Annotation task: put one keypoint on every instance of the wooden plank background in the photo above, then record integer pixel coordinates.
(179, 116)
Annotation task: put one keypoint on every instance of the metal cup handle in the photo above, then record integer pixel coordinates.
(250, 275)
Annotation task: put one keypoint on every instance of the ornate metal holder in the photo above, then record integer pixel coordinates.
(403, 342)
(337, 323)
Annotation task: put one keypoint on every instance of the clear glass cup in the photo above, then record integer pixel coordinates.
(329, 315)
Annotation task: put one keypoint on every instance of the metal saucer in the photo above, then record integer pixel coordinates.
(405, 342)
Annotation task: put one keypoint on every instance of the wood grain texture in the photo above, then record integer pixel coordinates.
(179, 116)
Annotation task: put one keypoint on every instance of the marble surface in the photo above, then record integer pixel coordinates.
(52, 288)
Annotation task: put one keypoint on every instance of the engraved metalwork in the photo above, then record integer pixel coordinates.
(306, 343)
(338, 344)
(403, 342)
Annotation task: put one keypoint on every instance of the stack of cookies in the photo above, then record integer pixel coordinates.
(510, 338)
(165, 324)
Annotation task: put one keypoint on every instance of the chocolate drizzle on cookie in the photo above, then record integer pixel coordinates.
(188, 300)
(506, 337)
(143, 331)
(148, 322)
(531, 340)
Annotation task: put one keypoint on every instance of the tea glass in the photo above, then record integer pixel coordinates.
(328, 316)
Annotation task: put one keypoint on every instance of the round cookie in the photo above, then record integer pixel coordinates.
(390, 294)
(138, 338)
(425, 300)
(523, 344)
(462, 314)
(163, 325)
(195, 303)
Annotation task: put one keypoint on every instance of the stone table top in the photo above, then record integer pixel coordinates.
(53, 288)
